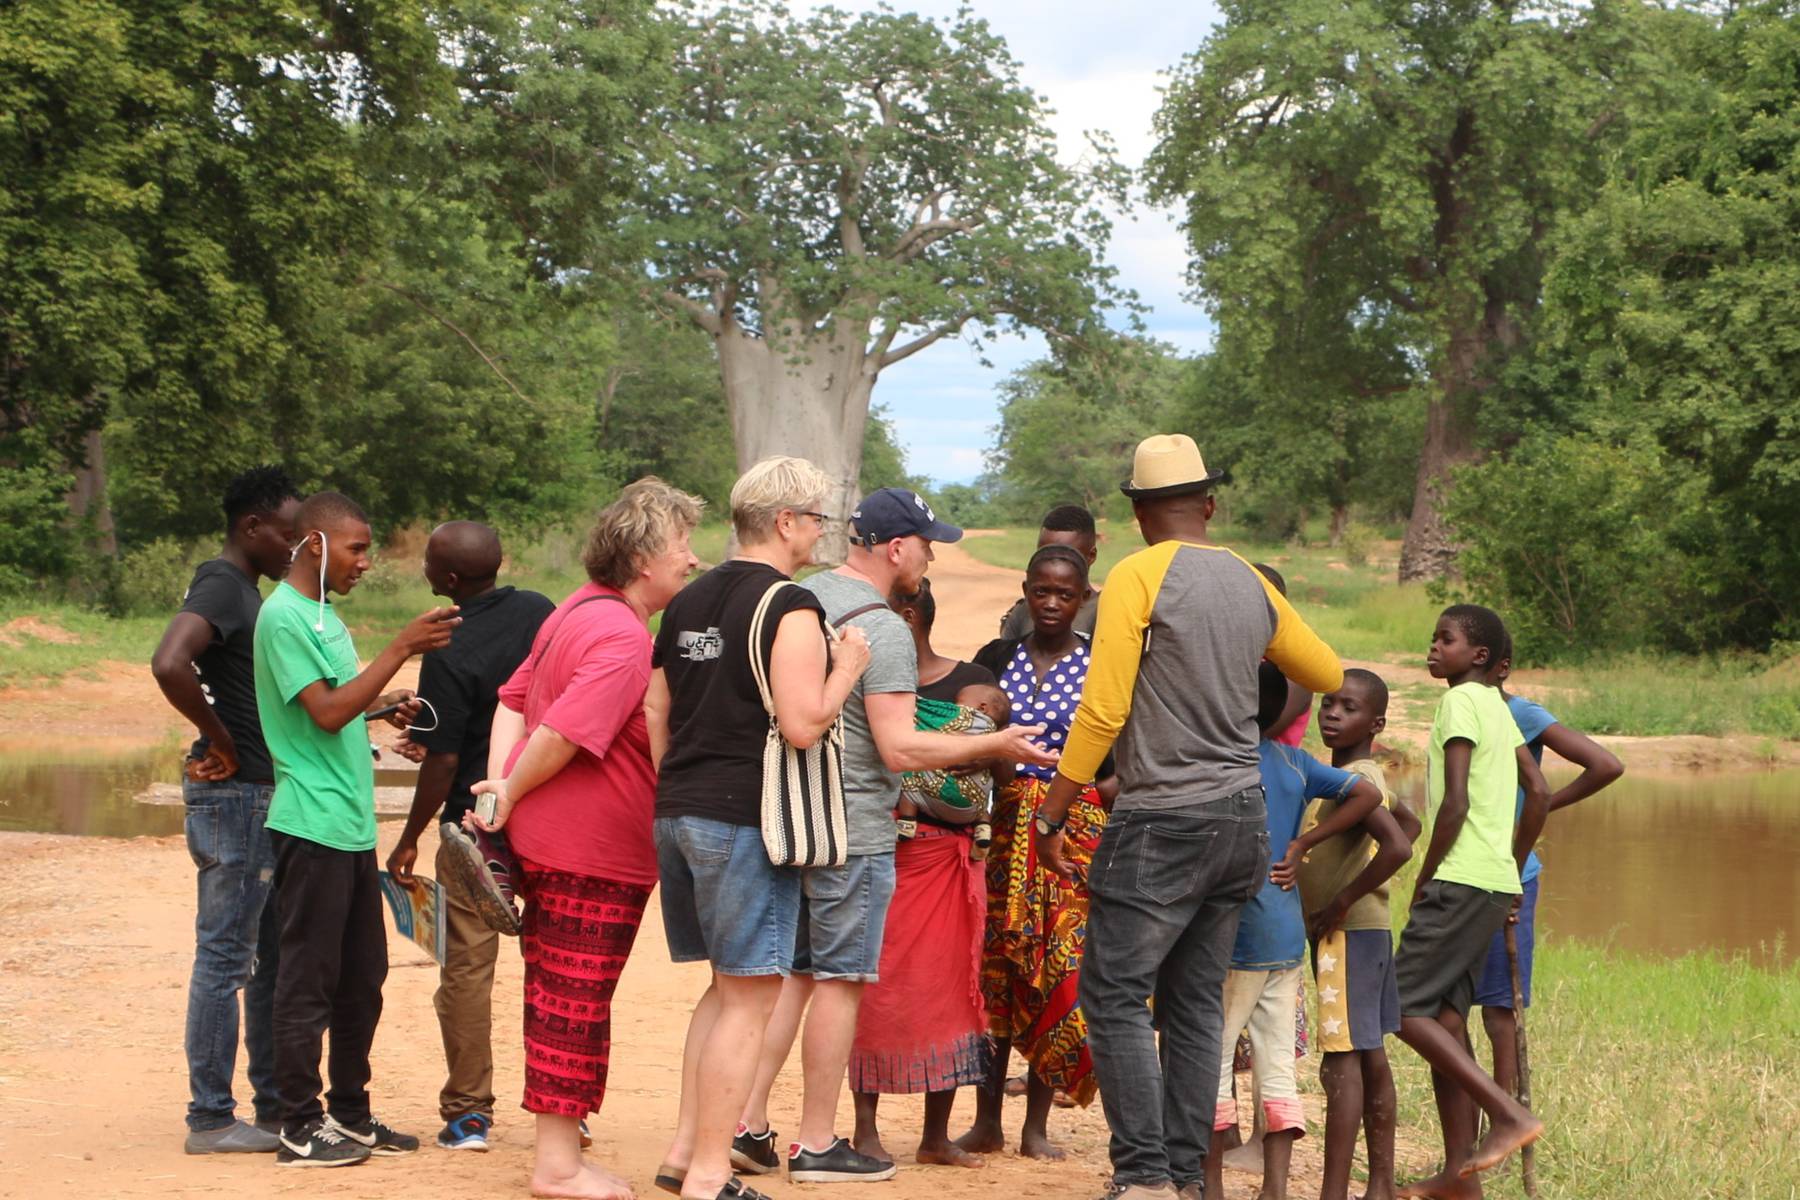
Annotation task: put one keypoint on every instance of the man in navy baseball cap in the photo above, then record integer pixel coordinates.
(896, 513)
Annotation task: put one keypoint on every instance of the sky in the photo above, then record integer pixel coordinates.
(1099, 65)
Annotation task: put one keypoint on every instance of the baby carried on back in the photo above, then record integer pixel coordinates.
(959, 796)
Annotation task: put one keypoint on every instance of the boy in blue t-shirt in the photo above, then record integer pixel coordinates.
(1599, 768)
(1264, 982)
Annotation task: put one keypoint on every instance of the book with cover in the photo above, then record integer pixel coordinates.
(419, 912)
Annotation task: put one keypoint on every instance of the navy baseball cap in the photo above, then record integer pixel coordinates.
(895, 512)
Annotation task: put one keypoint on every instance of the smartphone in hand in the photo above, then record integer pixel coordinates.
(486, 805)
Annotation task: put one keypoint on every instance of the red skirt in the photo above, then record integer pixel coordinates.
(922, 1028)
(575, 936)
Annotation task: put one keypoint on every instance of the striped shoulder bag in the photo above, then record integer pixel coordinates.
(803, 822)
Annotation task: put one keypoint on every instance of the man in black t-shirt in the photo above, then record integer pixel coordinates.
(461, 683)
(204, 665)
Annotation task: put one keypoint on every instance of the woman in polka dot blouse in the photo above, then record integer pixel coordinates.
(1037, 923)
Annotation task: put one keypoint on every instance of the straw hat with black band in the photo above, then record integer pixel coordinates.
(1169, 464)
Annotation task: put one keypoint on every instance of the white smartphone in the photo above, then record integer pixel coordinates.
(486, 805)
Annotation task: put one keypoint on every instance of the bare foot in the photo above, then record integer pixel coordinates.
(1015, 1085)
(1036, 1145)
(983, 1138)
(1445, 1185)
(586, 1183)
(947, 1154)
(1501, 1140)
(870, 1144)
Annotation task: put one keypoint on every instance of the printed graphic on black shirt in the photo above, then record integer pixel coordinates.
(699, 645)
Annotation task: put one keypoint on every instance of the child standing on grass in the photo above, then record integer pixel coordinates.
(1599, 768)
(1271, 941)
(1344, 893)
(1467, 886)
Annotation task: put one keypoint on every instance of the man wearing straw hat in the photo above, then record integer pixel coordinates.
(1182, 627)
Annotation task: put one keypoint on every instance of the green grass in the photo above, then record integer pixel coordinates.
(1657, 1079)
(1650, 696)
(100, 638)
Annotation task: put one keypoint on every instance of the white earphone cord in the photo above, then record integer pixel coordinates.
(435, 719)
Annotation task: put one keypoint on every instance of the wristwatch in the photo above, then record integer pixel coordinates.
(1048, 828)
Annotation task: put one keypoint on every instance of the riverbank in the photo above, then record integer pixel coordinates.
(72, 676)
(1658, 1079)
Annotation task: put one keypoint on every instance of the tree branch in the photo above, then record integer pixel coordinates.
(696, 312)
(890, 357)
(441, 319)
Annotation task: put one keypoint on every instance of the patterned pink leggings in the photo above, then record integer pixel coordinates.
(576, 934)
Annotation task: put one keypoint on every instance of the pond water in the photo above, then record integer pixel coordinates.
(1665, 864)
(1660, 864)
(58, 791)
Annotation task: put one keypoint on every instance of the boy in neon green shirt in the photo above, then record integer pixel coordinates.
(310, 700)
(1467, 887)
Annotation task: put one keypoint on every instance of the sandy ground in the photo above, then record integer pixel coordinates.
(93, 975)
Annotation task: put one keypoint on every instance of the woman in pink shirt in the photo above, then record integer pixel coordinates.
(576, 791)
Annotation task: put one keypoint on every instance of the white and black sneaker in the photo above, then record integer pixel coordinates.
(837, 1163)
(755, 1153)
(376, 1137)
(319, 1143)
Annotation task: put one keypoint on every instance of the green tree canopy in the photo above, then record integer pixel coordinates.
(1367, 188)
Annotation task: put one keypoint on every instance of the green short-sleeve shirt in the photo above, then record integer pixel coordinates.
(324, 782)
(1482, 855)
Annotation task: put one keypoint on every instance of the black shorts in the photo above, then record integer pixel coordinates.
(1445, 944)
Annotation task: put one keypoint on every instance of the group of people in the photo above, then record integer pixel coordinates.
(1130, 763)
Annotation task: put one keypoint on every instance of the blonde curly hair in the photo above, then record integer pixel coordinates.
(640, 524)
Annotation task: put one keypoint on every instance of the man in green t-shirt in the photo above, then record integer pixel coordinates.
(310, 700)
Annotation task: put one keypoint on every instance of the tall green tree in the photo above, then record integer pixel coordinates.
(181, 196)
(1368, 186)
(1671, 333)
(832, 194)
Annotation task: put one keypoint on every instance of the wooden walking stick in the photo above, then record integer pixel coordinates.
(1522, 1092)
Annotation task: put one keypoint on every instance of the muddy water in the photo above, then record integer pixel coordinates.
(62, 793)
(1667, 864)
(95, 796)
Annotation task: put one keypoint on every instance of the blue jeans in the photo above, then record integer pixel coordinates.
(234, 949)
(1166, 887)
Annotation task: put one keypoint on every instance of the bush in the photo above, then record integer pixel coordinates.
(1357, 542)
(152, 579)
(37, 539)
(1568, 539)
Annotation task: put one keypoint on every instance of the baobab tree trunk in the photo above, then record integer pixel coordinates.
(1490, 331)
(1429, 547)
(807, 396)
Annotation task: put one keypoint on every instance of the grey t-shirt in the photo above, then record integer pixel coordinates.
(870, 789)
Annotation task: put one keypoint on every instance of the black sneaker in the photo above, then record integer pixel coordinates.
(755, 1153)
(377, 1138)
(837, 1163)
(319, 1143)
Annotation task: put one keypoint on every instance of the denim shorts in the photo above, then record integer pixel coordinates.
(723, 901)
(843, 914)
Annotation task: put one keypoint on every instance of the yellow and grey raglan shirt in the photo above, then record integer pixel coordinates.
(1181, 630)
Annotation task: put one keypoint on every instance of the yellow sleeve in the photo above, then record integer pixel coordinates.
(1301, 654)
(1124, 614)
